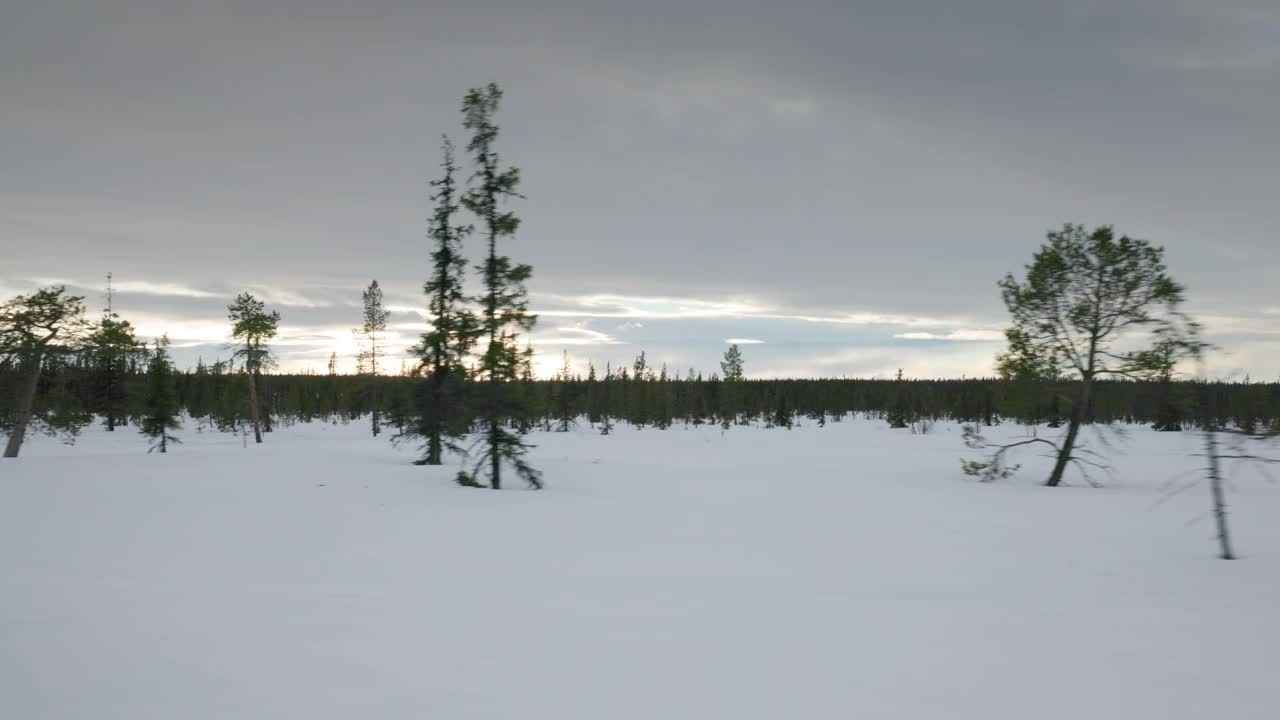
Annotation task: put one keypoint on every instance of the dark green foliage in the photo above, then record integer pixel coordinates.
(454, 328)
(252, 325)
(115, 353)
(782, 415)
(504, 302)
(731, 365)
(47, 319)
(214, 397)
(1082, 292)
(1171, 414)
(899, 415)
(640, 368)
(43, 327)
(160, 407)
(563, 396)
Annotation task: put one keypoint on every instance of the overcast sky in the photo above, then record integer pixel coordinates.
(842, 181)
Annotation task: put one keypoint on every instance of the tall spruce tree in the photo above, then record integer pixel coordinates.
(731, 365)
(160, 405)
(505, 301)
(34, 328)
(454, 328)
(112, 347)
(252, 325)
(731, 394)
(369, 334)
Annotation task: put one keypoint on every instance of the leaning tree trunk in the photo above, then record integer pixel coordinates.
(24, 401)
(1073, 432)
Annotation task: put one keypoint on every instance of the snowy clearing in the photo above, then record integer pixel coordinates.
(849, 571)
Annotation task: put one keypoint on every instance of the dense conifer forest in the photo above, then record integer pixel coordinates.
(70, 396)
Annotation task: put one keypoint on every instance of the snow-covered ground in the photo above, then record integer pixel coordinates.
(849, 571)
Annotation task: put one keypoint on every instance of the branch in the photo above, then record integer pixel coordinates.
(1081, 466)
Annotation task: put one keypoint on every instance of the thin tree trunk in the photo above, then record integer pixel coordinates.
(1215, 487)
(435, 448)
(264, 414)
(495, 459)
(373, 380)
(253, 405)
(111, 396)
(435, 420)
(24, 401)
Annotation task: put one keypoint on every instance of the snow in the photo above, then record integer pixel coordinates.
(849, 571)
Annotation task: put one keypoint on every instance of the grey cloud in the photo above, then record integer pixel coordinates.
(818, 159)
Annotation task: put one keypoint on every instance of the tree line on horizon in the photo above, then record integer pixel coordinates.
(213, 397)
